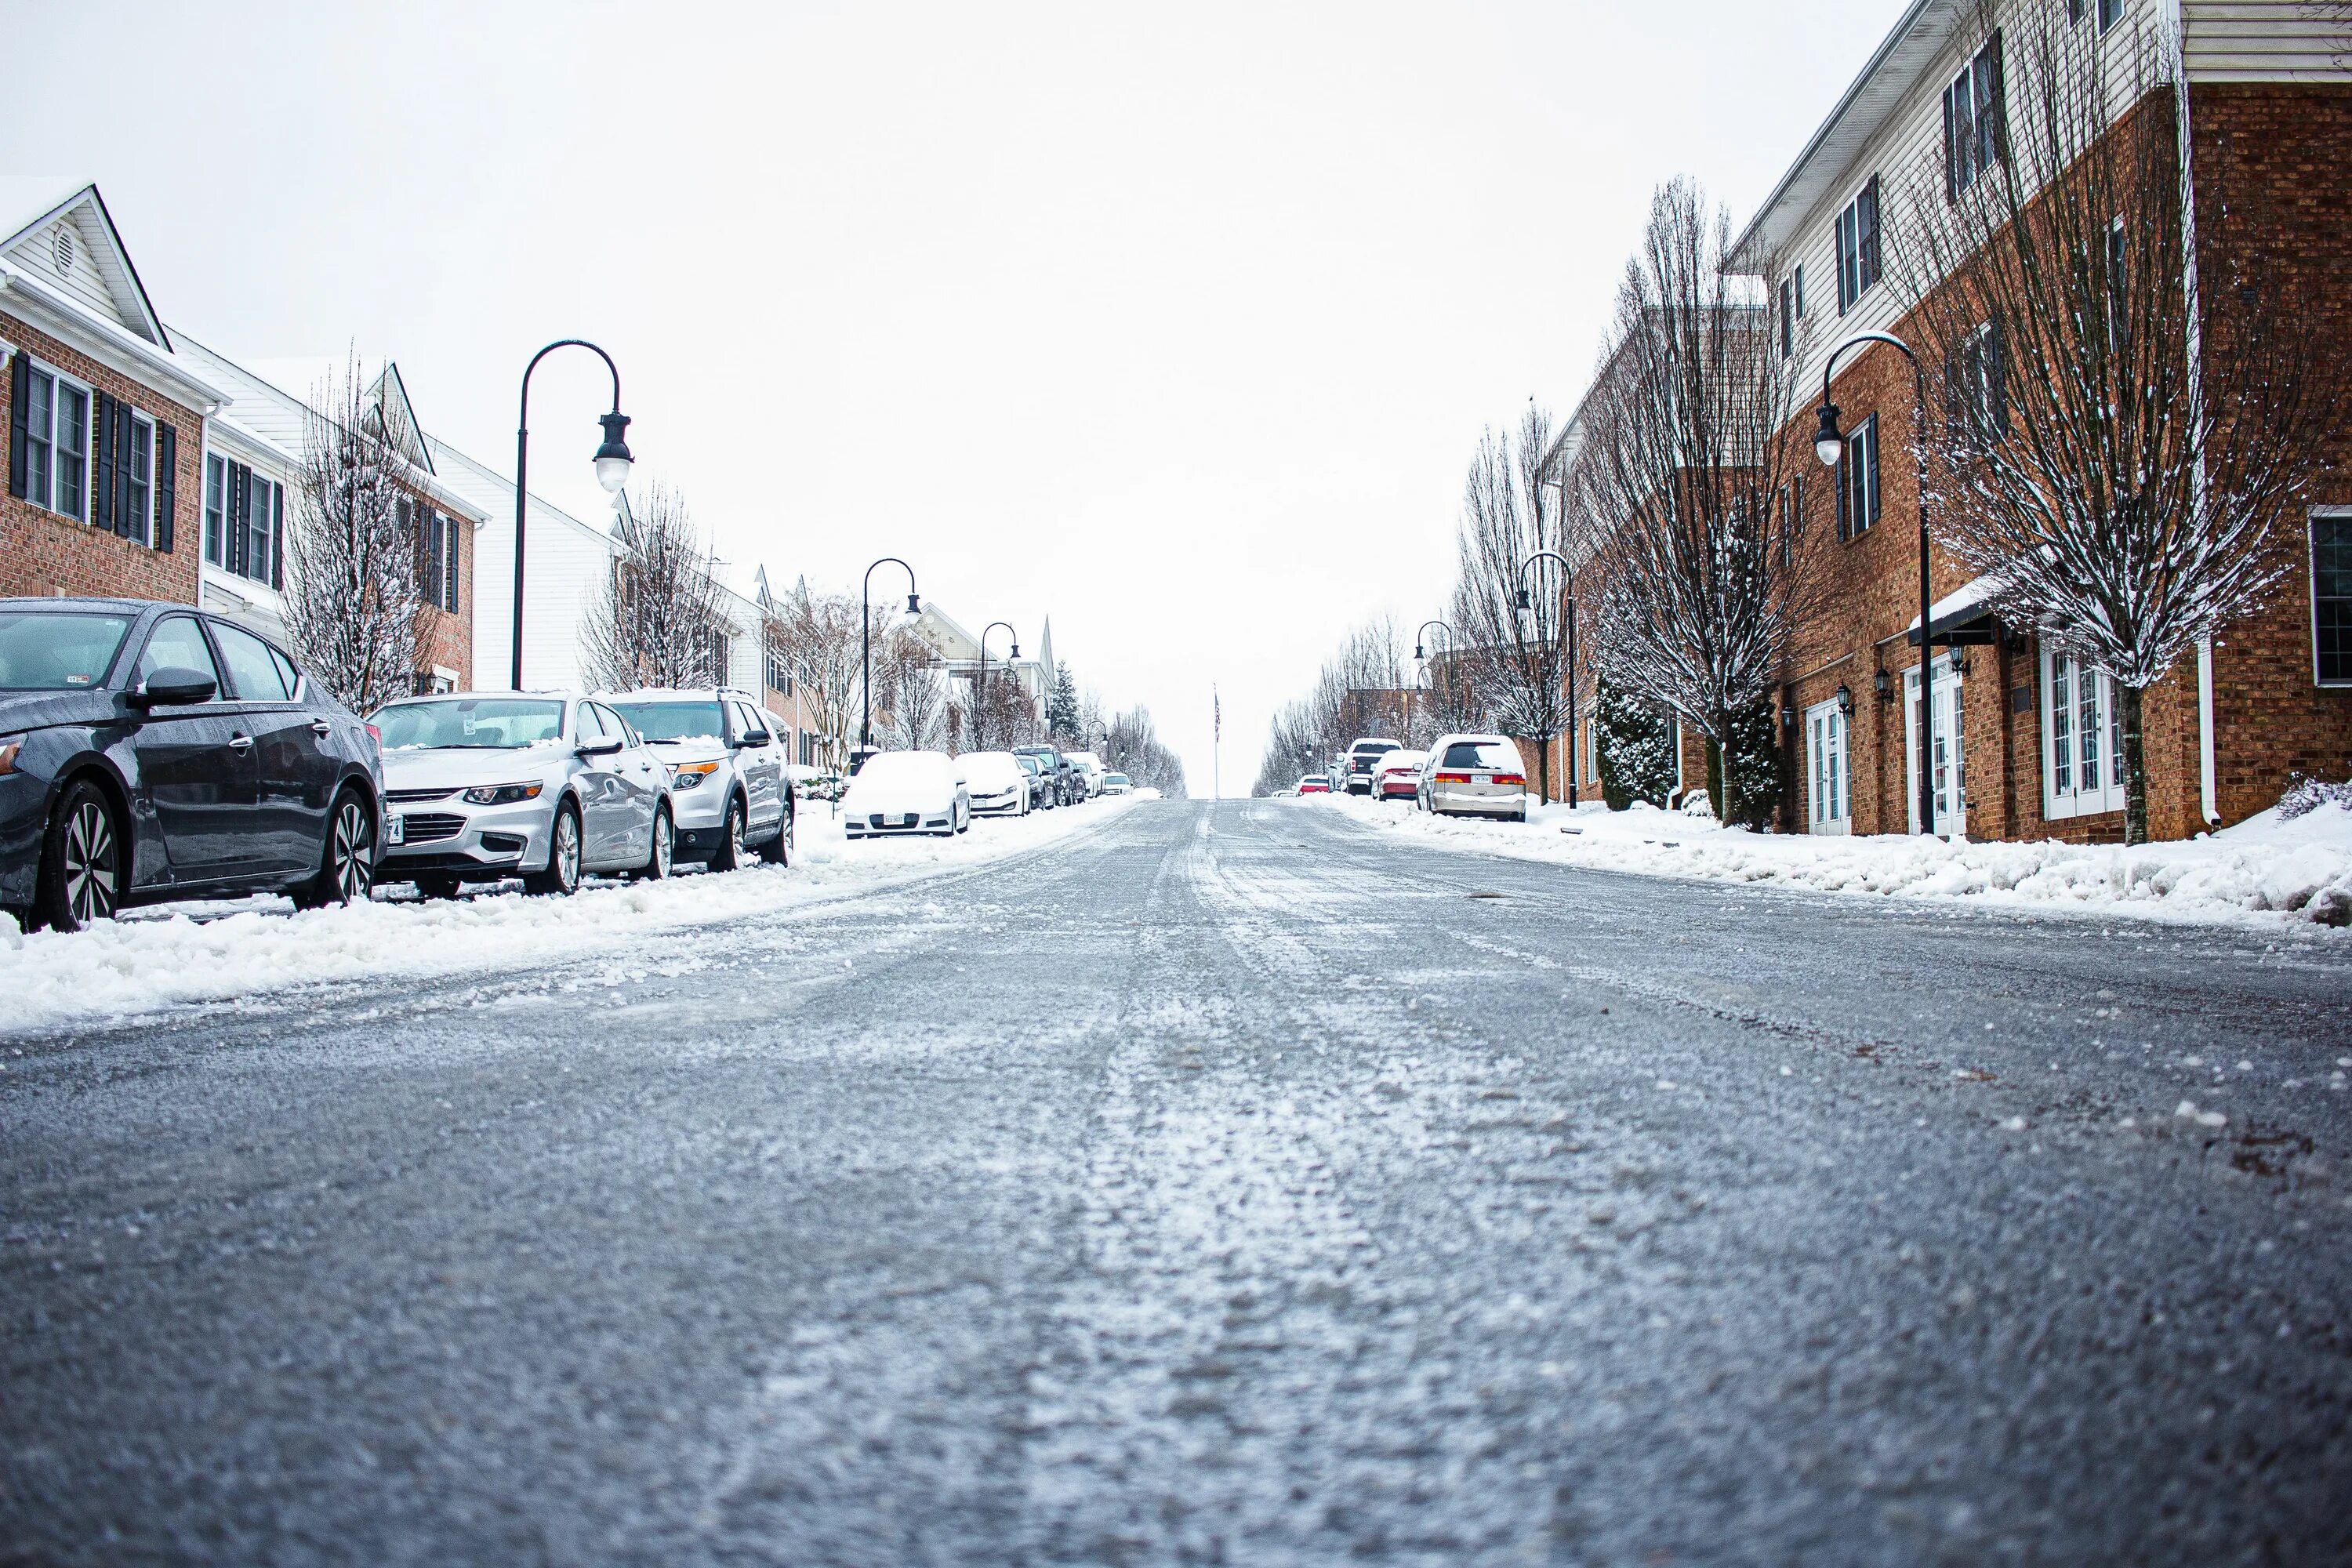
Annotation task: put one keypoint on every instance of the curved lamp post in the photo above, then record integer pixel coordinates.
(980, 693)
(1829, 446)
(611, 465)
(865, 654)
(1527, 602)
(1422, 658)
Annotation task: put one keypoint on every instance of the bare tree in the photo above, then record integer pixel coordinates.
(1509, 512)
(1000, 714)
(817, 636)
(1678, 485)
(1132, 745)
(658, 622)
(2121, 435)
(911, 687)
(355, 595)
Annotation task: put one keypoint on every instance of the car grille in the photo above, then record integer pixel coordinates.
(879, 820)
(409, 796)
(432, 825)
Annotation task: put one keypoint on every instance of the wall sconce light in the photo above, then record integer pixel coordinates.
(1788, 720)
(1881, 685)
(1845, 700)
(1960, 660)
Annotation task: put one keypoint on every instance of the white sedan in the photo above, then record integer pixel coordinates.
(906, 792)
(996, 783)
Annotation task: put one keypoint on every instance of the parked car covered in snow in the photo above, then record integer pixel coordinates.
(1474, 776)
(1363, 756)
(1068, 787)
(1397, 775)
(726, 767)
(1090, 769)
(995, 783)
(1314, 783)
(1041, 781)
(1117, 784)
(546, 785)
(906, 792)
(150, 752)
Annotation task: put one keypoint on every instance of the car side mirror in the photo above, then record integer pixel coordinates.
(752, 738)
(604, 748)
(173, 687)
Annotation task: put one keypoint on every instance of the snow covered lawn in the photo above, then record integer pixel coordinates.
(178, 955)
(2262, 871)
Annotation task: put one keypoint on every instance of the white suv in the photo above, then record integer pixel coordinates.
(726, 767)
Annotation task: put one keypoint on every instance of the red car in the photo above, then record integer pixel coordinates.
(1397, 777)
(1314, 783)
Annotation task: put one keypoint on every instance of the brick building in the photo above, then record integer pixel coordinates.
(2025, 739)
(105, 422)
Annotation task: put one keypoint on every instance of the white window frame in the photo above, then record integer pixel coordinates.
(143, 448)
(46, 497)
(1829, 768)
(214, 509)
(1846, 243)
(2063, 676)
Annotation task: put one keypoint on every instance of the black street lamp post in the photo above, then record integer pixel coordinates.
(1422, 658)
(980, 691)
(1527, 602)
(865, 654)
(611, 465)
(1829, 446)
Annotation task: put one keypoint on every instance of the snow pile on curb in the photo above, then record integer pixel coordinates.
(2263, 870)
(193, 953)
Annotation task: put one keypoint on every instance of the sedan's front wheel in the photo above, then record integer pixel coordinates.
(563, 873)
(347, 865)
(82, 862)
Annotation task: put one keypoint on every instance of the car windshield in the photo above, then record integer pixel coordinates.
(486, 724)
(1484, 754)
(57, 651)
(662, 722)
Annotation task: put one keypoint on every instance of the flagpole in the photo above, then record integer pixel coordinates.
(1216, 745)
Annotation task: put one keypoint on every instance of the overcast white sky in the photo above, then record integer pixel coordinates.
(1178, 325)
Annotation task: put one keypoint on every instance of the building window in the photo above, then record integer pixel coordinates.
(1792, 309)
(1979, 388)
(245, 520)
(1976, 123)
(1857, 479)
(2331, 597)
(780, 674)
(57, 443)
(1857, 246)
(2082, 739)
(2108, 11)
(1830, 801)
(138, 480)
(216, 510)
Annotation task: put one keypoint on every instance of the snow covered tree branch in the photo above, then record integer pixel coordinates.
(1511, 509)
(354, 593)
(658, 622)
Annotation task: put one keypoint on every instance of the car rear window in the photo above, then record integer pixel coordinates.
(57, 651)
(1484, 756)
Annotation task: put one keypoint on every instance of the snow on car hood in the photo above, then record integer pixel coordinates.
(458, 767)
(689, 749)
(891, 798)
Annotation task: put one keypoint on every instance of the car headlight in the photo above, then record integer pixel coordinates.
(502, 794)
(9, 747)
(690, 775)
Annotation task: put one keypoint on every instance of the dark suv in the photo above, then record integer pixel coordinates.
(1068, 787)
(151, 751)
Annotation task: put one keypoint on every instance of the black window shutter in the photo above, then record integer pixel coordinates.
(20, 392)
(1844, 477)
(1992, 105)
(127, 520)
(238, 502)
(167, 483)
(1869, 235)
(1951, 147)
(101, 493)
(278, 537)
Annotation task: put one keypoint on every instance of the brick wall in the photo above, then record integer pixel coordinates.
(42, 554)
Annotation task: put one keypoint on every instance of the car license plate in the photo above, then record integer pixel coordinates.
(1482, 778)
(395, 830)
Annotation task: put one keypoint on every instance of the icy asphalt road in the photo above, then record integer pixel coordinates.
(1232, 1187)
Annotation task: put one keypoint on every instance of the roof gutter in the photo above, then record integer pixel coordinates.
(145, 359)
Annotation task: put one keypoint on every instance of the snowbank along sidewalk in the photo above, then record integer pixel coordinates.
(158, 959)
(2264, 872)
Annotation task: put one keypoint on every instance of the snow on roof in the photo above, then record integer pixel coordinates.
(1971, 595)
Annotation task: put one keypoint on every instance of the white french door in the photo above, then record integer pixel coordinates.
(1829, 798)
(1949, 763)
(2081, 740)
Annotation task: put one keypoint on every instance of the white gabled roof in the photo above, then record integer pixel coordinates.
(60, 232)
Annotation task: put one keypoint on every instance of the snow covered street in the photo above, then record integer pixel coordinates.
(265, 955)
(1216, 1184)
(2264, 873)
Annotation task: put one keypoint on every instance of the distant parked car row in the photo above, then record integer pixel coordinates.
(899, 793)
(1464, 774)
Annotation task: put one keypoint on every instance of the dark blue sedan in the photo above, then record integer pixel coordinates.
(151, 751)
